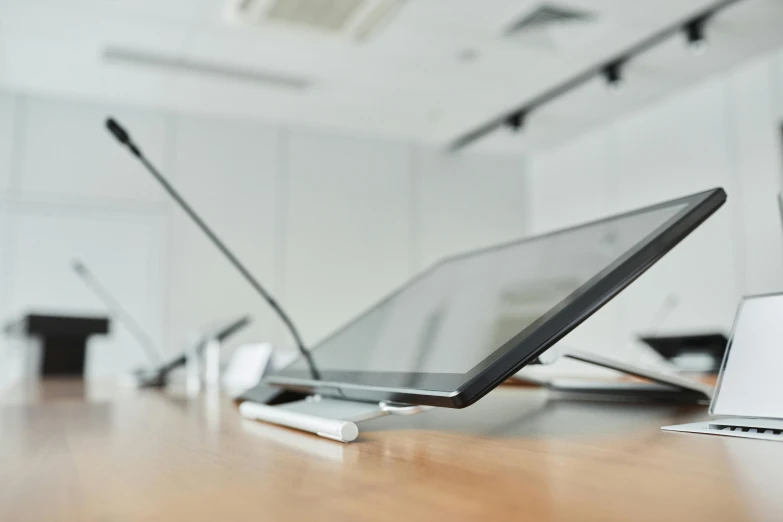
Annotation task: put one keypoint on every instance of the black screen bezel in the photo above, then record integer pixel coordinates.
(461, 390)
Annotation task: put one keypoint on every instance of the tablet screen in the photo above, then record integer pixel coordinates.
(464, 308)
(461, 327)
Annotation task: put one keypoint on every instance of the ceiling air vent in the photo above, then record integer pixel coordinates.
(331, 15)
(357, 19)
(546, 16)
(554, 26)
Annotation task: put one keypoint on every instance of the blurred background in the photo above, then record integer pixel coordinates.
(325, 142)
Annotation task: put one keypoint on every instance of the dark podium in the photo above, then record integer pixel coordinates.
(711, 344)
(63, 340)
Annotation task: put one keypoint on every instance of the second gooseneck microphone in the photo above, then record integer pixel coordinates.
(124, 138)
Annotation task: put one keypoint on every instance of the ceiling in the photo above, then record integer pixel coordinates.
(427, 70)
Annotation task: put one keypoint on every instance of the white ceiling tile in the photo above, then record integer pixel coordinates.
(407, 80)
(39, 23)
(185, 11)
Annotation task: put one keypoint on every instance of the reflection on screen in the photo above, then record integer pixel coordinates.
(462, 309)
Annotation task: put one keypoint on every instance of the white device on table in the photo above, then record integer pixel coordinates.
(750, 388)
(662, 383)
(330, 418)
(246, 367)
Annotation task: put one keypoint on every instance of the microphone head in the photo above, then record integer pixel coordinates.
(78, 267)
(118, 132)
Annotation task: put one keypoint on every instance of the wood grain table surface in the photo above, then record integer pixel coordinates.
(75, 452)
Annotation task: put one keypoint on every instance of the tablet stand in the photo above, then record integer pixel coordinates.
(337, 418)
(331, 418)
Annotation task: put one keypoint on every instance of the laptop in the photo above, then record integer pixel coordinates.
(746, 402)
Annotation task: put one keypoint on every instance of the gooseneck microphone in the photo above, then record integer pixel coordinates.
(100, 291)
(124, 138)
(663, 313)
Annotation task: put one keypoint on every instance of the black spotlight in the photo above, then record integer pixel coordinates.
(613, 75)
(694, 33)
(516, 121)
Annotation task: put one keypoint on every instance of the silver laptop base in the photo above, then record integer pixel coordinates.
(747, 428)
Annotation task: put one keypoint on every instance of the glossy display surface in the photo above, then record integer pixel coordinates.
(477, 316)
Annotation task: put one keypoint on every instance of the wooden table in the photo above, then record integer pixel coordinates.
(104, 454)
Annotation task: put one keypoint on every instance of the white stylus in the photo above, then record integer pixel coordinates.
(343, 431)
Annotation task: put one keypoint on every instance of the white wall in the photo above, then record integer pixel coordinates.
(228, 172)
(329, 222)
(724, 132)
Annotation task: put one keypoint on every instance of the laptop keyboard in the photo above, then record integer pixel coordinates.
(746, 429)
